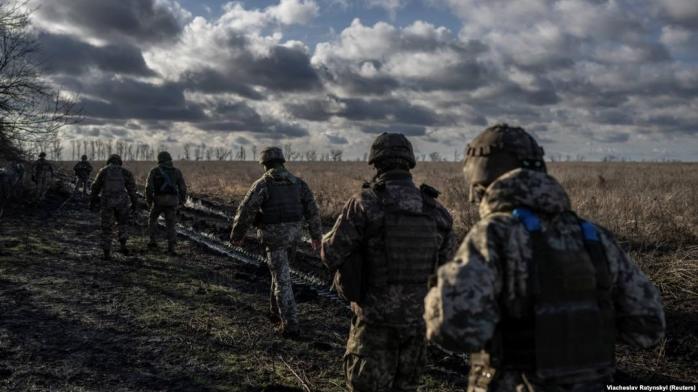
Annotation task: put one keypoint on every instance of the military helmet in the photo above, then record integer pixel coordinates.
(42, 154)
(271, 154)
(392, 145)
(115, 159)
(84, 157)
(164, 156)
(497, 150)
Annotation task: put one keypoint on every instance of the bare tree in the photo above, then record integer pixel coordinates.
(222, 153)
(435, 157)
(254, 152)
(336, 155)
(187, 151)
(311, 155)
(31, 110)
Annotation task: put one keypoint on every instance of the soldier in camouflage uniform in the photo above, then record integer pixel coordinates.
(42, 176)
(82, 171)
(165, 190)
(538, 295)
(400, 234)
(115, 186)
(277, 204)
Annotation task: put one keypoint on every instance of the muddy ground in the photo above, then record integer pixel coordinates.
(70, 321)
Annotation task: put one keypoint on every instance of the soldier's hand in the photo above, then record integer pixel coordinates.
(315, 244)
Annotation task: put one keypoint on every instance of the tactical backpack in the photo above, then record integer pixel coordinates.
(114, 189)
(568, 328)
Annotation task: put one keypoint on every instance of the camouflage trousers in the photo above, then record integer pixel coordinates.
(508, 380)
(84, 183)
(109, 214)
(282, 302)
(170, 214)
(382, 358)
(43, 183)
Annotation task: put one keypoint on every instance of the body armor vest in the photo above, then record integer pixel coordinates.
(164, 182)
(114, 189)
(283, 204)
(411, 243)
(568, 326)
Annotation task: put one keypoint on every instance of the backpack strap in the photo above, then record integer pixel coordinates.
(168, 181)
(531, 222)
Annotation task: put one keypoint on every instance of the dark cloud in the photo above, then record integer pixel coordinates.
(359, 109)
(240, 117)
(124, 98)
(337, 139)
(138, 21)
(65, 54)
(406, 129)
(214, 82)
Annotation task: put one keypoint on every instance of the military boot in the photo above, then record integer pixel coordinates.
(122, 248)
(171, 249)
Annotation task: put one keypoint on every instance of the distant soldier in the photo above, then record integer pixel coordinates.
(277, 204)
(115, 186)
(82, 170)
(42, 176)
(165, 190)
(537, 294)
(393, 235)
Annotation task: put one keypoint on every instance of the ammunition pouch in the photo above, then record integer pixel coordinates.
(284, 203)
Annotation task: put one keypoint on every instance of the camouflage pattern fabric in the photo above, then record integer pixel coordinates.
(109, 215)
(381, 358)
(489, 274)
(170, 214)
(385, 349)
(114, 206)
(279, 239)
(43, 174)
(281, 300)
(359, 223)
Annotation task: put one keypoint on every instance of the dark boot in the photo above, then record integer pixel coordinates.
(122, 248)
(171, 249)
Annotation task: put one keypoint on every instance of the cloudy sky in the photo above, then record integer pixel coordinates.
(589, 78)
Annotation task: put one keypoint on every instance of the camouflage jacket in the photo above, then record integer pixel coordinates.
(489, 273)
(130, 185)
(275, 235)
(176, 177)
(42, 168)
(360, 224)
(82, 169)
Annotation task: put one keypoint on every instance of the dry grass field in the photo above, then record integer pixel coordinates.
(652, 208)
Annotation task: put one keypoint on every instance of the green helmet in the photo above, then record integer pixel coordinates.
(392, 145)
(498, 150)
(271, 154)
(164, 156)
(115, 159)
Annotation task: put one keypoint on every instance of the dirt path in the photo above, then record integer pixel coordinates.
(70, 321)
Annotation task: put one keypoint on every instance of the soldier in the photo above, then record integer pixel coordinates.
(537, 294)
(277, 204)
(116, 187)
(400, 234)
(82, 170)
(42, 176)
(165, 190)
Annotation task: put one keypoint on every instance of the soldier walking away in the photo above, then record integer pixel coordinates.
(165, 191)
(537, 294)
(82, 170)
(393, 235)
(277, 203)
(112, 190)
(42, 176)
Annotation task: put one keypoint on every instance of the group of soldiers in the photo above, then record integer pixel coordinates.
(535, 294)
